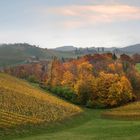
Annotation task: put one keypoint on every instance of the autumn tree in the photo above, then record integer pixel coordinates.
(115, 68)
(55, 73)
(68, 79)
(112, 90)
(85, 84)
(120, 92)
(127, 62)
(136, 58)
(95, 79)
(134, 77)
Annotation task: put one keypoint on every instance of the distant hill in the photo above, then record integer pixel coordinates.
(131, 49)
(20, 53)
(11, 54)
(77, 51)
(65, 48)
(23, 104)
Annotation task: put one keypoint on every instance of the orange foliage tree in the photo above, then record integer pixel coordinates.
(55, 73)
(68, 79)
(112, 90)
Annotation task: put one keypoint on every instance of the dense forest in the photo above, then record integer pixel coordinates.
(98, 81)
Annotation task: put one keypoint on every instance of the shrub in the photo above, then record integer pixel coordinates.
(64, 92)
(33, 79)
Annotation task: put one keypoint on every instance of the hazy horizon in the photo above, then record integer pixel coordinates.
(80, 23)
(68, 45)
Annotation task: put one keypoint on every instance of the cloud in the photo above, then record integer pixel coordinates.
(85, 15)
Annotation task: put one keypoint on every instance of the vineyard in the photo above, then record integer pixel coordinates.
(9, 119)
(22, 104)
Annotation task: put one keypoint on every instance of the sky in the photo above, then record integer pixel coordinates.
(81, 23)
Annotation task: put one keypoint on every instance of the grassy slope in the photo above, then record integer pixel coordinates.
(18, 98)
(130, 111)
(89, 126)
(138, 67)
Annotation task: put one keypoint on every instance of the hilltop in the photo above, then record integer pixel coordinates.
(128, 49)
(66, 48)
(132, 49)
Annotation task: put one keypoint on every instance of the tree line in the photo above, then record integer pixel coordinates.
(99, 80)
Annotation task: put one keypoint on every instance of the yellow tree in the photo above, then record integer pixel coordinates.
(68, 79)
(127, 94)
(112, 68)
(113, 90)
(120, 92)
(84, 70)
(115, 68)
(104, 82)
(85, 84)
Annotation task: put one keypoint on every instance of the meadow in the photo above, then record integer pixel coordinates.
(88, 126)
(97, 124)
(138, 66)
(130, 111)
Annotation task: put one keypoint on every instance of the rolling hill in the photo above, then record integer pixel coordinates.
(11, 54)
(128, 49)
(23, 104)
(20, 53)
(65, 48)
(131, 49)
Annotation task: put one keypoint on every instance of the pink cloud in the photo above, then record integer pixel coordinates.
(82, 15)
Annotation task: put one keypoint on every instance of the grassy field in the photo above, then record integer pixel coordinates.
(130, 111)
(138, 67)
(89, 126)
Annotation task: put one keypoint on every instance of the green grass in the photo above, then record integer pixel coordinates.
(89, 126)
(138, 66)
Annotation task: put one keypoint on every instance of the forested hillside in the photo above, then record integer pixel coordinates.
(22, 53)
(14, 54)
(99, 80)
